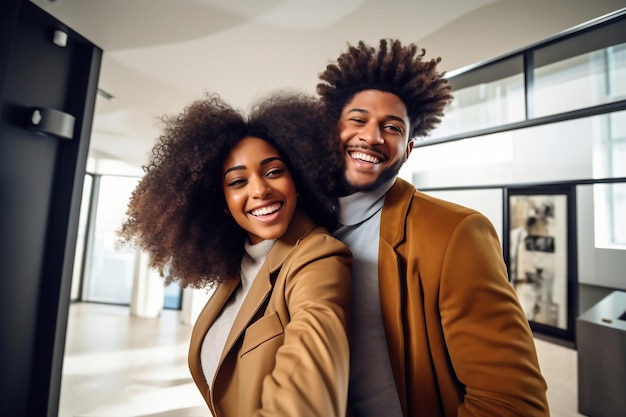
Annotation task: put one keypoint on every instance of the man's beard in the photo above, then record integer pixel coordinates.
(385, 175)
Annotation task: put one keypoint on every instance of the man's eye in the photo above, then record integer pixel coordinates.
(393, 128)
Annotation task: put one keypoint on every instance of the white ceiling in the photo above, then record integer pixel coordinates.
(160, 55)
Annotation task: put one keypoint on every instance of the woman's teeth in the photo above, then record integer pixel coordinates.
(263, 211)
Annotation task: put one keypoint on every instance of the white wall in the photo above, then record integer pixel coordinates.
(596, 266)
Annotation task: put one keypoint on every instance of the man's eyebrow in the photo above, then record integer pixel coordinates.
(389, 116)
(263, 162)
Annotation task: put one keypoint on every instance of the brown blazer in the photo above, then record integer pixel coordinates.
(287, 353)
(459, 342)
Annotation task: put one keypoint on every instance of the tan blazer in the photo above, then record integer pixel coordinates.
(287, 353)
(460, 344)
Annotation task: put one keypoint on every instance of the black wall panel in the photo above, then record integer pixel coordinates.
(40, 188)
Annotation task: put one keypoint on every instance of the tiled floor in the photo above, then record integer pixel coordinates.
(121, 366)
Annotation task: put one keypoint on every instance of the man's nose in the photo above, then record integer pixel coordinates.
(371, 134)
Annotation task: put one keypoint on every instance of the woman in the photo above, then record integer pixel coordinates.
(218, 207)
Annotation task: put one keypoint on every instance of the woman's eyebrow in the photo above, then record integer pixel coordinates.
(235, 168)
(271, 159)
(263, 162)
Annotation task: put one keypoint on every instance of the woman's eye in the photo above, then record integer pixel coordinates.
(275, 172)
(236, 182)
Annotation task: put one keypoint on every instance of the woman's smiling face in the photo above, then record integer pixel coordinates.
(259, 190)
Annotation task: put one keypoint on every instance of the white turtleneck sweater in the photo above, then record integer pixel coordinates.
(214, 341)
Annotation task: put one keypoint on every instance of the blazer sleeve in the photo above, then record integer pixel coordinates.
(310, 376)
(488, 336)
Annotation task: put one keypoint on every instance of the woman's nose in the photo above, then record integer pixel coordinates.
(260, 187)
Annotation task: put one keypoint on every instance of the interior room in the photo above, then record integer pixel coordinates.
(536, 134)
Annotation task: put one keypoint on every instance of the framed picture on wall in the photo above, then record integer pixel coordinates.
(540, 250)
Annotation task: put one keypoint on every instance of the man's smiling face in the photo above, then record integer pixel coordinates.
(374, 128)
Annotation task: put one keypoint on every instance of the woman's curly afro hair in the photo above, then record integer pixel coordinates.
(394, 68)
(177, 212)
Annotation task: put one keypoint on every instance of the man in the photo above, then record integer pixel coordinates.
(437, 328)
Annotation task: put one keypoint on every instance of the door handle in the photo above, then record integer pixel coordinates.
(49, 121)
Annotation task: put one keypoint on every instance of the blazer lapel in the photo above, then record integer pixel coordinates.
(262, 286)
(391, 279)
(395, 209)
(260, 289)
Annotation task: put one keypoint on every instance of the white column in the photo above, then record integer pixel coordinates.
(148, 289)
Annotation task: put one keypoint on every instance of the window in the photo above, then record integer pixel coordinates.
(81, 239)
(109, 271)
(590, 79)
(555, 112)
(610, 223)
(491, 97)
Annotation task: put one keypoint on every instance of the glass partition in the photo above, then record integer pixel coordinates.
(492, 96)
(553, 113)
(566, 151)
(585, 80)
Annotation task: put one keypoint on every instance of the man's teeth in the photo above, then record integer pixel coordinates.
(365, 157)
(266, 210)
